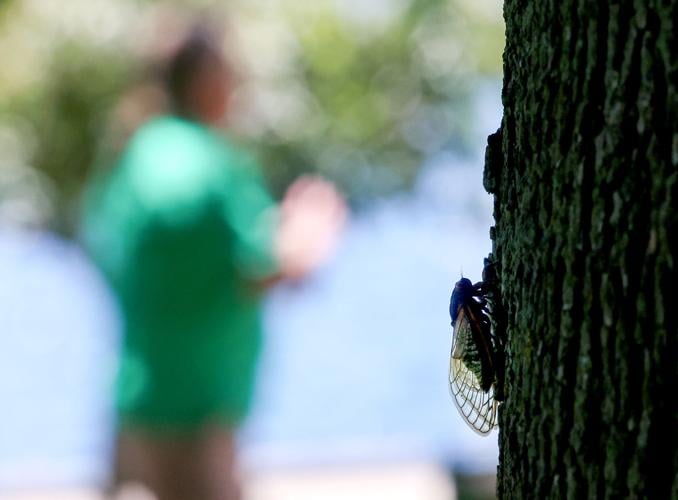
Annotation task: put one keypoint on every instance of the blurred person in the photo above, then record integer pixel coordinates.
(188, 237)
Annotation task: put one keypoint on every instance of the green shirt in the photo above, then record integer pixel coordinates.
(181, 227)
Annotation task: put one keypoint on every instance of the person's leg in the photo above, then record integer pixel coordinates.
(171, 466)
(218, 449)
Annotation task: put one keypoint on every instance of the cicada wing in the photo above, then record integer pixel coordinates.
(477, 407)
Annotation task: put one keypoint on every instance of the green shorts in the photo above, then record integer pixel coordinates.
(181, 380)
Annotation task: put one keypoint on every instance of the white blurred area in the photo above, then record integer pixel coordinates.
(401, 482)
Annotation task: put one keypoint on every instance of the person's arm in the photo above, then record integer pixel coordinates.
(312, 215)
(284, 242)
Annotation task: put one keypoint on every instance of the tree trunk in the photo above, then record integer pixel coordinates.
(585, 177)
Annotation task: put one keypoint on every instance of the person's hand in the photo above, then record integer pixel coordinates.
(312, 215)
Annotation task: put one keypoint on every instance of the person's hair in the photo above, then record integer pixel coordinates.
(199, 49)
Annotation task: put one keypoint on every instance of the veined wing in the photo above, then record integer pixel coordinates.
(477, 407)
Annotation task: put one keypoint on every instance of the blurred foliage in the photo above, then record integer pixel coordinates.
(361, 93)
(381, 99)
(65, 118)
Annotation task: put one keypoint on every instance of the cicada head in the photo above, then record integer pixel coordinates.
(463, 291)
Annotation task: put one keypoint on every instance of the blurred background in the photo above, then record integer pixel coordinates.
(390, 99)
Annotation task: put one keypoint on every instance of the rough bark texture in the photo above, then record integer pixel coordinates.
(584, 170)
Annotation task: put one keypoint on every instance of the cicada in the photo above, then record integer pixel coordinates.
(473, 358)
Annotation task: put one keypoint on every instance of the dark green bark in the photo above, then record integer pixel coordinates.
(584, 170)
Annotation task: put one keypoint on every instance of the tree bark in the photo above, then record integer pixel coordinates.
(584, 170)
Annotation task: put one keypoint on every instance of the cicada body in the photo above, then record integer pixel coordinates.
(473, 359)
